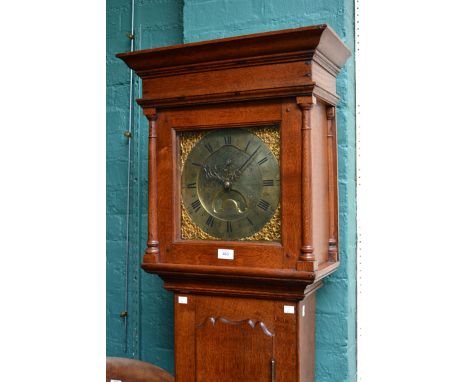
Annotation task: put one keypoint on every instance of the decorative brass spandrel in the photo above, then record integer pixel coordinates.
(187, 141)
(189, 230)
(271, 231)
(271, 136)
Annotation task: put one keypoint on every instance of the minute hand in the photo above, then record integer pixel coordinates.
(241, 168)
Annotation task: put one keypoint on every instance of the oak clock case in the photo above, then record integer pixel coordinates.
(230, 184)
(242, 160)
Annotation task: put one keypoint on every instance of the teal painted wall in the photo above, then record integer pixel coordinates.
(150, 326)
(164, 22)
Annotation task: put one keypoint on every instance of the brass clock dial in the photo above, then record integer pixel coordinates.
(230, 184)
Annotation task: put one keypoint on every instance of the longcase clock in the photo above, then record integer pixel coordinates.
(242, 187)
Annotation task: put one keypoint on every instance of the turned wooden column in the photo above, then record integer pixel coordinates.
(152, 245)
(307, 256)
(332, 185)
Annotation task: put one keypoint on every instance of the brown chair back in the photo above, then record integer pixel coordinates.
(131, 370)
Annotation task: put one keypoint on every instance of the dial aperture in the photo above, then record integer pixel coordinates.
(225, 192)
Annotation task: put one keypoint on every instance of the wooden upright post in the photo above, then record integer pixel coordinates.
(307, 249)
(152, 246)
(332, 185)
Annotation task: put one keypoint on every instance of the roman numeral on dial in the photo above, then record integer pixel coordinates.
(228, 227)
(191, 185)
(263, 204)
(196, 205)
(261, 161)
(209, 148)
(268, 182)
(227, 139)
(210, 221)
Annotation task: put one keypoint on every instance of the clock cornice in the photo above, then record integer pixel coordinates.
(277, 46)
(292, 62)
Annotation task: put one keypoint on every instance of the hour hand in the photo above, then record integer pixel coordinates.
(212, 174)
